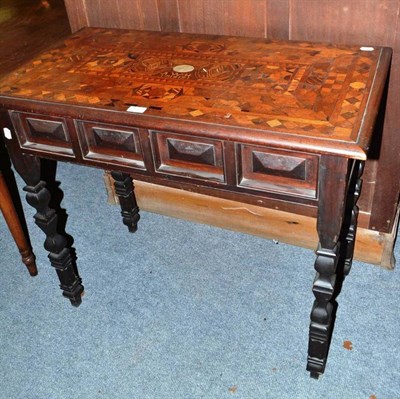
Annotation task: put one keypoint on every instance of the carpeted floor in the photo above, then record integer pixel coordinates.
(184, 311)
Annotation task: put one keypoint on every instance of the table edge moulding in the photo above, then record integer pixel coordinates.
(250, 120)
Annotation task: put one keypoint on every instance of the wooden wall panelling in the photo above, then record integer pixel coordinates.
(128, 14)
(224, 17)
(103, 14)
(228, 17)
(386, 195)
(143, 14)
(140, 14)
(278, 19)
(345, 22)
(77, 15)
(169, 15)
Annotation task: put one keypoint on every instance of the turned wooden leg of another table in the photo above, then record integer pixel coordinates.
(14, 224)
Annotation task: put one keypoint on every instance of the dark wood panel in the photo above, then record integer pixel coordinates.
(42, 133)
(188, 156)
(223, 17)
(266, 169)
(119, 145)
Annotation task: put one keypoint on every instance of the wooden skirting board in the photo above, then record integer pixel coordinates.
(371, 246)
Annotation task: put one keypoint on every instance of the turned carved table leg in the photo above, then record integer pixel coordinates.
(38, 196)
(124, 188)
(14, 225)
(333, 194)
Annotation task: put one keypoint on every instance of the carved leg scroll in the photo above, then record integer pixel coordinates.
(125, 190)
(332, 205)
(354, 194)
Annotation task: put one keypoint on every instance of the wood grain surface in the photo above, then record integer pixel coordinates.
(27, 27)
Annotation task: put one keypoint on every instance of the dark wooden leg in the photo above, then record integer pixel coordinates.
(59, 254)
(331, 213)
(14, 225)
(38, 196)
(124, 188)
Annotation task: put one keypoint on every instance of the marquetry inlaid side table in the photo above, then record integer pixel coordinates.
(276, 124)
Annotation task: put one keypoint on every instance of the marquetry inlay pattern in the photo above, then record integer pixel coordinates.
(294, 87)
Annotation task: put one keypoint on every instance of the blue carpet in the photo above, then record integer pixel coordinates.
(184, 311)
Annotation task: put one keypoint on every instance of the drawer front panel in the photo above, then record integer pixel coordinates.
(110, 143)
(42, 132)
(267, 169)
(187, 156)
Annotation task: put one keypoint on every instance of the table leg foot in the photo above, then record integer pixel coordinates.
(314, 375)
(124, 188)
(29, 259)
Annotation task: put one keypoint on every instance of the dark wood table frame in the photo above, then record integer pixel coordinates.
(255, 121)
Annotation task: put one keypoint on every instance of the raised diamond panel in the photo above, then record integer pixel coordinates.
(277, 165)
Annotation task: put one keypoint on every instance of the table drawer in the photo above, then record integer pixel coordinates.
(188, 156)
(267, 169)
(107, 143)
(42, 132)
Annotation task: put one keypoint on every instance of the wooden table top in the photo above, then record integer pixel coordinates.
(311, 91)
